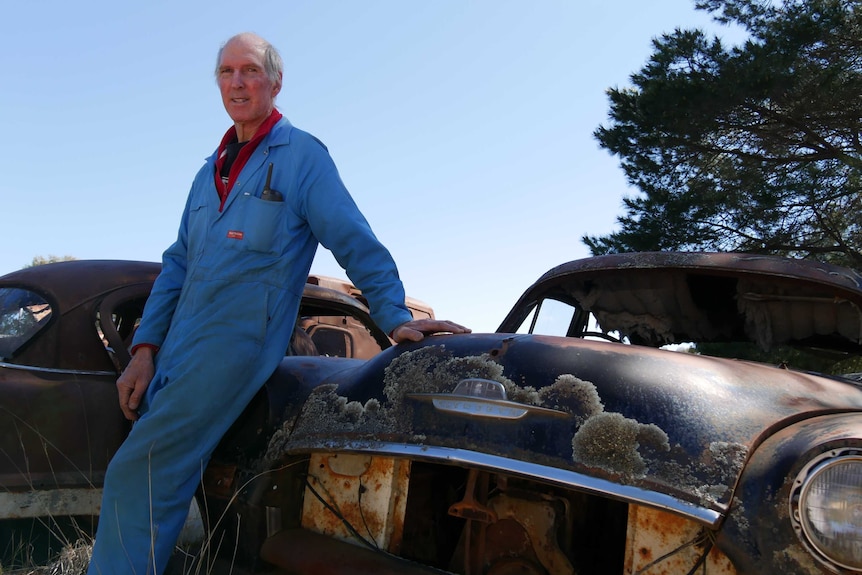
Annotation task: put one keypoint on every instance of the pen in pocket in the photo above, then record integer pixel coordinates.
(268, 193)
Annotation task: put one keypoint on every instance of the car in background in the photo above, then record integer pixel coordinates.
(65, 329)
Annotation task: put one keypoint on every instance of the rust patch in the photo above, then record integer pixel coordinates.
(369, 506)
(661, 543)
(645, 554)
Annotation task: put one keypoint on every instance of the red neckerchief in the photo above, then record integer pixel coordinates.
(242, 157)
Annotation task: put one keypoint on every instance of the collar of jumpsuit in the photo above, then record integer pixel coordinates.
(243, 156)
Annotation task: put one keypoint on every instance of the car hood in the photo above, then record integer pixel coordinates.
(668, 297)
(658, 427)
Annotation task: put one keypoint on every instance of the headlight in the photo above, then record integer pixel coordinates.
(826, 507)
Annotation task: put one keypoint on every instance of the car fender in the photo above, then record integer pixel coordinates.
(758, 533)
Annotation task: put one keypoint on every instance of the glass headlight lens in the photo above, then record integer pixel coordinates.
(830, 510)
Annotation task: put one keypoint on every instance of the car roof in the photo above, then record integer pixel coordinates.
(71, 282)
(668, 297)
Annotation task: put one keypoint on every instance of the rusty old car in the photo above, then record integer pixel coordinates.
(65, 329)
(653, 413)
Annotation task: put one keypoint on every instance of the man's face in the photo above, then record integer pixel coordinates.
(247, 92)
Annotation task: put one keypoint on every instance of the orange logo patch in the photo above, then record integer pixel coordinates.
(235, 234)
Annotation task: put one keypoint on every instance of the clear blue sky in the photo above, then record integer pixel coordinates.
(462, 128)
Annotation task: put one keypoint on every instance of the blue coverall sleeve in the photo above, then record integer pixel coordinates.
(165, 294)
(340, 227)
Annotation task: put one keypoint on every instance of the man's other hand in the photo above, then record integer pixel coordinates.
(417, 329)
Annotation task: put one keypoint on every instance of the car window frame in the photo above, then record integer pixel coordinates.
(119, 352)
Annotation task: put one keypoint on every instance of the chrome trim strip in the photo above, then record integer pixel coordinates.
(53, 370)
(472, 406)
(525, 469)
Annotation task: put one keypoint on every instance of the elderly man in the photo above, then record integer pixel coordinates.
(221, 313)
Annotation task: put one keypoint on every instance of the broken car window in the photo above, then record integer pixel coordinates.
(22, 314)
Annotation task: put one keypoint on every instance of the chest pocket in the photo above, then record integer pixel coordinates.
(261, 225)
(198, 226)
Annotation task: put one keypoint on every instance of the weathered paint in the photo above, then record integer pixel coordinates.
(760, 532)
(660, 543)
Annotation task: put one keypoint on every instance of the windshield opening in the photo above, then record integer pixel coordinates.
(553, 317)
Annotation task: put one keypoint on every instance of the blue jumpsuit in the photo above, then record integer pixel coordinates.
(222, 313)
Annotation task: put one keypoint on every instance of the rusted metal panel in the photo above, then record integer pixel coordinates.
(660, 543)
(357, 498)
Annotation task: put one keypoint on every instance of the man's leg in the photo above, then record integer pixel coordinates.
(153, 476)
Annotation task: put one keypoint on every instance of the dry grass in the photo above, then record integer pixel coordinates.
(61, 546)
(73, 560)
(195, 554)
